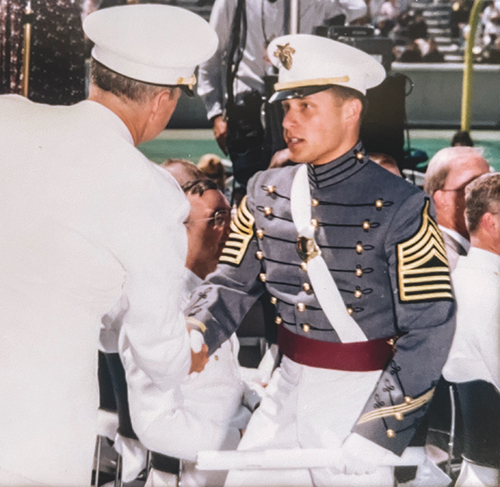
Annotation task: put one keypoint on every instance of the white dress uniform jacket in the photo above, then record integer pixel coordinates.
(265, 21)
(475, 351)
(204, 413)
(86, 222)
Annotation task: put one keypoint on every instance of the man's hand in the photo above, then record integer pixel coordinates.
(199, 351)
(220, 132)
(199, 360)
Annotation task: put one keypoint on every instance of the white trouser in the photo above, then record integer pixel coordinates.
(12, 479)
(306, 407)
(472, 475)
(190, 477)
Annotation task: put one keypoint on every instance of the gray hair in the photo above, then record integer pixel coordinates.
(122, 86)
(481, 196)
(441, 164)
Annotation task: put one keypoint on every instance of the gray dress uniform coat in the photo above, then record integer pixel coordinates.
(387, 257)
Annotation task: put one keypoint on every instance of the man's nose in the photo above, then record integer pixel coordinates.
(289, 120)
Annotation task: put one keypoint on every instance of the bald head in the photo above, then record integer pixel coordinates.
(448, 173)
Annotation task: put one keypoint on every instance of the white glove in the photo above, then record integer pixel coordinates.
(359, 456)
(196, 340)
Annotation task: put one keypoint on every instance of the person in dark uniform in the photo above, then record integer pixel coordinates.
(357, 270)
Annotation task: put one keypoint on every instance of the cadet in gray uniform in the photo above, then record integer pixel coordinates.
(357, 270)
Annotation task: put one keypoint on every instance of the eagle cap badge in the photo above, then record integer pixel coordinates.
(284, 53)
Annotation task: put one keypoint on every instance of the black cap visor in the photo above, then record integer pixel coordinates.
(299, 92)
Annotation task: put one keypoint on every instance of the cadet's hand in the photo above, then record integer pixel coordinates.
(220, 132)
(199, 351)
(199, 359)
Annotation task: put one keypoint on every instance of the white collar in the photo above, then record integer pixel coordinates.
(456, 236)
(112, 118)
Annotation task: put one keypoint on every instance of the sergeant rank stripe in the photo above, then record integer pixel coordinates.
(422, 264)
(240, 236)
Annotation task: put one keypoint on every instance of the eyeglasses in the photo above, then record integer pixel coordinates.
(460, 188)
(220, 219)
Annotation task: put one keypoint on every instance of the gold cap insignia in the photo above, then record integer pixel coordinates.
(284, 53)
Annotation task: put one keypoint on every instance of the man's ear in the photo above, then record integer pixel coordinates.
(352, 110)
(489, 223)
(163, 100)
(438, 198)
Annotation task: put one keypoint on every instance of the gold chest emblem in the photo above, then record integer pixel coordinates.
(284, 53)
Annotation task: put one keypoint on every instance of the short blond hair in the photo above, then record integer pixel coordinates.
(481, 196)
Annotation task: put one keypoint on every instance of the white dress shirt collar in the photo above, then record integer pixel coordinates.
(455, 235)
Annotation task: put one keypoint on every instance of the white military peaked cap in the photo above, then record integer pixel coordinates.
(306, 61)
(158, 44)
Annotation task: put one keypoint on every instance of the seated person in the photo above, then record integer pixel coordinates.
(182, 170)
(475, 351)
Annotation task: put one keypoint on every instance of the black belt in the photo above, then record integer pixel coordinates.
(164, 463)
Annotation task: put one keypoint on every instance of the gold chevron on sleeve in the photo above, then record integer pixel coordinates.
(397, 411)
(422, 264)
(241, 233)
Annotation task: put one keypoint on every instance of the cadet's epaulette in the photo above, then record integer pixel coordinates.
(423, 272)
(242, 230)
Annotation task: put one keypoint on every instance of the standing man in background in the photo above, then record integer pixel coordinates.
(89, 224)
(232, 81)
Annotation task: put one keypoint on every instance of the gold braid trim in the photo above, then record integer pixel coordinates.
(241, 233)
(414, 256)
(406, 407)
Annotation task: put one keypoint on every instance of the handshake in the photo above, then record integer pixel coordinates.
(199, 350)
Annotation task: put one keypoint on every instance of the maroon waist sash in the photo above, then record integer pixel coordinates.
(354, 357)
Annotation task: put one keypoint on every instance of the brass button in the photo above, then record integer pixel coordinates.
(259, 254)
(216, 357)
(360, 156)
(359, 248)
(314, 223)
(306, 287)
(359, 271)
(408, 399)
(262, 277)
(366, 225)
(391, 342)
(391, 433)
(260, 233)
(350, 310)
(306, 327)
(379, 204)
(399, 416)
(301, 307)
(274, 299)
(358, 293)
(268, 211)
(270, 189)
(314, 202)
(278, 320)
(303, 266)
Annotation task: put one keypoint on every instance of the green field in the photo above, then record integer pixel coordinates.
(191, 144)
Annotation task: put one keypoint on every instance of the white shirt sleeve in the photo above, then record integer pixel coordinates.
(153, 333)
(211, 74)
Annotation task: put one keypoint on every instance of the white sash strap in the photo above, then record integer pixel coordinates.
(320, 276)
